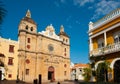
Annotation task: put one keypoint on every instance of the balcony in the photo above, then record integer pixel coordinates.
(115, 47)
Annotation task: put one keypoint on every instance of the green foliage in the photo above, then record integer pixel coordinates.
(102, 71)
(87, 74)
(2, 12)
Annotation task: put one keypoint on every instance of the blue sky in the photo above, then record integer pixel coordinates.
(74, 15)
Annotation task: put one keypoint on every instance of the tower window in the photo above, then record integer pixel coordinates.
(26, 27)
(65, 54)
(11, 48)
(65, 65)
(28, 40)
(31, 28)
(10, 61)
(66, 40)
(65, 49)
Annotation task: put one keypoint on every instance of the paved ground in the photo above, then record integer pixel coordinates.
(14, 82)
(65, 82)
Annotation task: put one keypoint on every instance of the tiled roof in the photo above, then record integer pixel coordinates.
(81, 65)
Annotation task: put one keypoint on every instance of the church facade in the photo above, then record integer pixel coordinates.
(42, 55)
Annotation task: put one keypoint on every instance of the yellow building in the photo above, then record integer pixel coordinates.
(42, 55)
(8, 59)
(104, 44)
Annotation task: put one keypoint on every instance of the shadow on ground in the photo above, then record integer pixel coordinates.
(64, 82)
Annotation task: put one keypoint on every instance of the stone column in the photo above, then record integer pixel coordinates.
(105, 38)
(90, 44)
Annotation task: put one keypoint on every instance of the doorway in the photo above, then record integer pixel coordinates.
(51, 73)
(117, 71)
(102, 73)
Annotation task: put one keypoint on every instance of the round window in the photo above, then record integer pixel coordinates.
(50, 47)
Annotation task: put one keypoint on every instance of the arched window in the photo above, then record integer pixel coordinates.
(65, 49)
(66, 40)
(31, 29)
(26, 27)
(65, 65)
(28, 40)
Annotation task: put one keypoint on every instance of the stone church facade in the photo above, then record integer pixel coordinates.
(42, 55)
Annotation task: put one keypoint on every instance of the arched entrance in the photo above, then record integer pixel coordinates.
(102, 72)
(2, 72)
(117, 71)
(51, 74)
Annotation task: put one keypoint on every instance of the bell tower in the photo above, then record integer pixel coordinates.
(27, 31)
(26, 26)
(63, 35)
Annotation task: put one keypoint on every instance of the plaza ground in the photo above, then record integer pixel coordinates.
(14, 82)
(62, 82)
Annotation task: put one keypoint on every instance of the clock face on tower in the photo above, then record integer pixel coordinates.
(50, 47)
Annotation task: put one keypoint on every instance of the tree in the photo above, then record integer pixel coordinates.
(2, 12)
(102, 71)
(87, 74)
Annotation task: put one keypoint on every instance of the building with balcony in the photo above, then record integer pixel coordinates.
(104, 45)
(8, 59)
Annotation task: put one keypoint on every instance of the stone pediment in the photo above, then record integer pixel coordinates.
(50, 32)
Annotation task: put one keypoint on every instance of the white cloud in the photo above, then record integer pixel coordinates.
(69, 26)
(59, 2)
(62, 1)
(77, 22)
(68, 18)
(104, 7)
(82, 2)
(91, 7)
